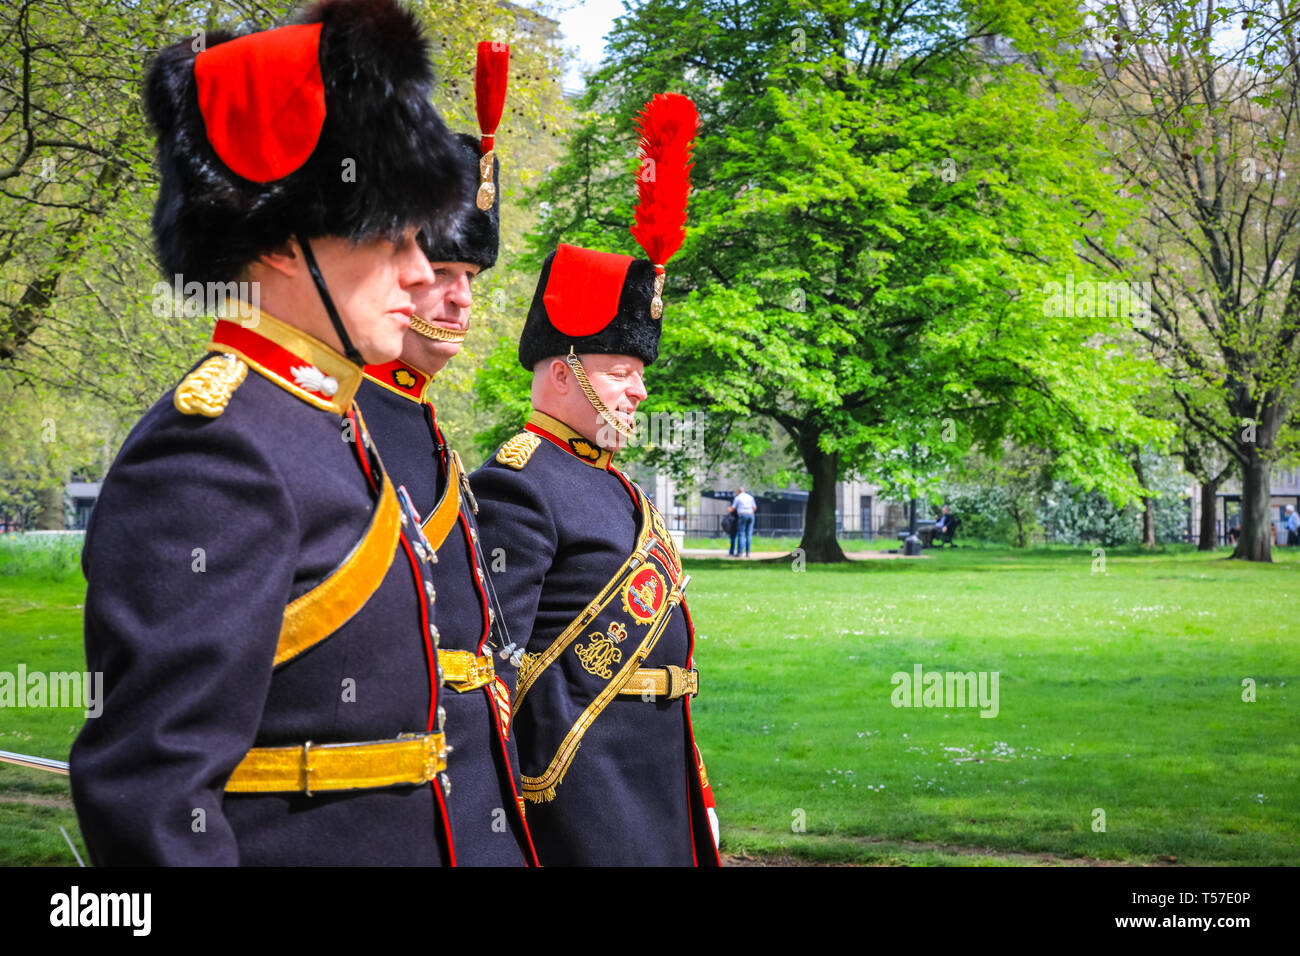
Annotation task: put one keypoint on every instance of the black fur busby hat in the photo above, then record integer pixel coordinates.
(477, 235)
(599, 302)
(320, 128)
(594, 302)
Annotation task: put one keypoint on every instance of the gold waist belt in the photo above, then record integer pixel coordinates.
(668, 682)
(411, 758)
(463, 670)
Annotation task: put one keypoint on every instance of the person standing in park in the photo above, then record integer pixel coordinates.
(474, 648)
(592, 576)
(746, 508)
(259, 598)
(1292, 526)
(729, 526)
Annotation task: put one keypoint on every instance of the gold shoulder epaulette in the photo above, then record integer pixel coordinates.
(207, 389)
(516, 452)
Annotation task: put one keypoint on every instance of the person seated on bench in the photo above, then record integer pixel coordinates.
(946, 526)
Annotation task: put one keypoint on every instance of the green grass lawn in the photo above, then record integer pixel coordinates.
(41, 590)
(1118, 691)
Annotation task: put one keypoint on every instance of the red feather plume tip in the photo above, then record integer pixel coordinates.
(667, 126)
(490, 76)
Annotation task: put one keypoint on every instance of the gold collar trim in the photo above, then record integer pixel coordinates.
(298, 362)
(575, 443)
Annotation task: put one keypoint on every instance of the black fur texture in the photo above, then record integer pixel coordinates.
(476, 237)
(631, 332)
(209, 223)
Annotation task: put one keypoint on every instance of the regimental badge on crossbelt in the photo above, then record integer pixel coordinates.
(602, 651)
(644, 594)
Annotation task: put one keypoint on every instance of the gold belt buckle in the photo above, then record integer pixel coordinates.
(306, 767)
(435, 749)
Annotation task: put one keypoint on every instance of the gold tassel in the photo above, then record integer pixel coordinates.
(540, 796)
(487, 190)
(657, 303)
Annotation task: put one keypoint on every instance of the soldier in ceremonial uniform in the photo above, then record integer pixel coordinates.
(602, 712)
(478, 660)
(259, 597)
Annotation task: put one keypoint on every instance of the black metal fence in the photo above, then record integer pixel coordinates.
(768, 525)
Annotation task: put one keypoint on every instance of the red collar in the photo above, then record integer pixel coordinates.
(401, 379)
(299, 363)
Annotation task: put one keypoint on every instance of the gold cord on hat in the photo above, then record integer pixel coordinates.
(584, 383)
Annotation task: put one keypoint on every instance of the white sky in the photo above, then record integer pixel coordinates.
(584, 24)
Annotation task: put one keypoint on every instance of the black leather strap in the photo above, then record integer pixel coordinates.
(349, 350)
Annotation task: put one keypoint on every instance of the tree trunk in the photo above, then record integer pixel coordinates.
(1208, 540)
(1256, 542)
(1148, 505)
(49, 510)
(819, 544)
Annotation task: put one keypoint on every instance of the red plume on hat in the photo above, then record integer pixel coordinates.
(490, 76)
(603, 303)
(476, 237)
(667, 126)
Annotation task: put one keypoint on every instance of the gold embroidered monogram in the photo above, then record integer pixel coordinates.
(206, 390)
(602, 651)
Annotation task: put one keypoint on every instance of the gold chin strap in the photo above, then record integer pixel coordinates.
(584, 383)
(436, 332)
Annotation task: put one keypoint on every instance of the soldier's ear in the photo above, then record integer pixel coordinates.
(560, 375)
(286, 259)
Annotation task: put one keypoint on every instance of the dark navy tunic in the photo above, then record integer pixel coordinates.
(205, 530)
(486, 817)
(634, 793)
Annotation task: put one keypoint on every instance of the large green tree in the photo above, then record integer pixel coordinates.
(1201, 104)
(878, 206)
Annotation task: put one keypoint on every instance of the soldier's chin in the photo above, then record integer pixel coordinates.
(383, 344)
